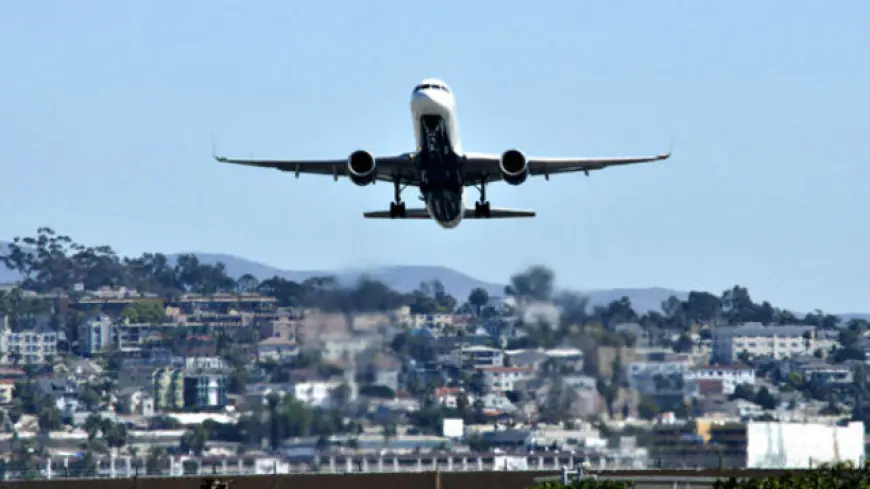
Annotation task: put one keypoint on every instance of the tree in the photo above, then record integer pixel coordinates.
(536, 283)
(194, 439)
(684, 344)
(647, 408)
(478, 298)
(247, 283)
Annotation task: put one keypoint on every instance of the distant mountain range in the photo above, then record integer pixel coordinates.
(405, 278)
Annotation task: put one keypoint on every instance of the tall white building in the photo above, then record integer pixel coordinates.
(26, 347)
(760, 341)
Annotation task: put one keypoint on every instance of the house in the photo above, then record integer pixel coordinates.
(206, 363)
(387, 372)
(448, 396)
(494, 404)
(587, 401)
(277, 349)
(815, 370)
(135, 400)
(7, 391)
(480, 356)
(321, 392)
(730, 375)
(566, 359)
(658, 377)
(530, 359)
(503, 379)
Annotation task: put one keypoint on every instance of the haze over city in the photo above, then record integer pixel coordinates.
(106, 135)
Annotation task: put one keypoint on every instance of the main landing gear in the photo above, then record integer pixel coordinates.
(481, 207)
(397, 207)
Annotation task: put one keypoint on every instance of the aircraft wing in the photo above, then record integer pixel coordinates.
(386, 167)
(480, 165)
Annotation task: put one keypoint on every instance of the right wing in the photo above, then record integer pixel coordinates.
(481, 165)
(387, 168)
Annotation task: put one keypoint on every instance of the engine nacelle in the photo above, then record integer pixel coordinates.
(514, 166)
(361, 167)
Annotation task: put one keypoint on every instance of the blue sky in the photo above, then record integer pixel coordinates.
(107, 110)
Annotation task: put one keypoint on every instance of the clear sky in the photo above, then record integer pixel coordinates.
(106, 111)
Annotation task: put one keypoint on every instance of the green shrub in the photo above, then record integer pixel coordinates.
(839, 476)
(584, 484)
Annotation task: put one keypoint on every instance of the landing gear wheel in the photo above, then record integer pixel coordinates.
(481, 207)
(397, 210)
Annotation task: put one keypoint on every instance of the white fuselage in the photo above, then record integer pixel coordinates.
(437, 102)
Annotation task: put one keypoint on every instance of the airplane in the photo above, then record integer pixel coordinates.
(439, 167)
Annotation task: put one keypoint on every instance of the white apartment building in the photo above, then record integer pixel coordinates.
(503, 379)
(760, 341)
(319, 393)
(731, 376)
(480, 357)
(27, 347)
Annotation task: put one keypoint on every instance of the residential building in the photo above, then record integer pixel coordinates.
(28, 347)
(480, 356)
(566, 359)
(204, 391)
(503, 379)
(277, 349)
(531, 359)
(168, 389)
(206, 363)
(756, 340)
(178, 389)
(7, 391)
(730, 375)
(664, 377)
(811, 368)
(95, 335)
(135, 400)
(387, 373)
(321, 392)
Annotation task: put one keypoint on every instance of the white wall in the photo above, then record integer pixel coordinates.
(799, 445)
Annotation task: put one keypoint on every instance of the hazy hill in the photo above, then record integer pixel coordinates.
(406, 278)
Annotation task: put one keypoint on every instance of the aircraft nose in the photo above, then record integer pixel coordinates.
(429, 99)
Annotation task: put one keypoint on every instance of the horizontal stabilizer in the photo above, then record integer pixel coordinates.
(495, 213)
(409, 214)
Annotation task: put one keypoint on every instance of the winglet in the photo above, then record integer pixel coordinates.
(214, 150)
(667, 155)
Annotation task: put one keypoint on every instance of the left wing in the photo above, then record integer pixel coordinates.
(480, 165)
(387, 168)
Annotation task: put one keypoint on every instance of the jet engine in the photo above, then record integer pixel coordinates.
(361, 167)
(514, 166)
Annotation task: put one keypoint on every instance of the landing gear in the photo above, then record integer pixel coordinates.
(397, 207)
(481, 207)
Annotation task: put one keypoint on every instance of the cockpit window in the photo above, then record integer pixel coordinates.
(433, 86)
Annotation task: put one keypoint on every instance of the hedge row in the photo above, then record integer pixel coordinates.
(839, 476)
